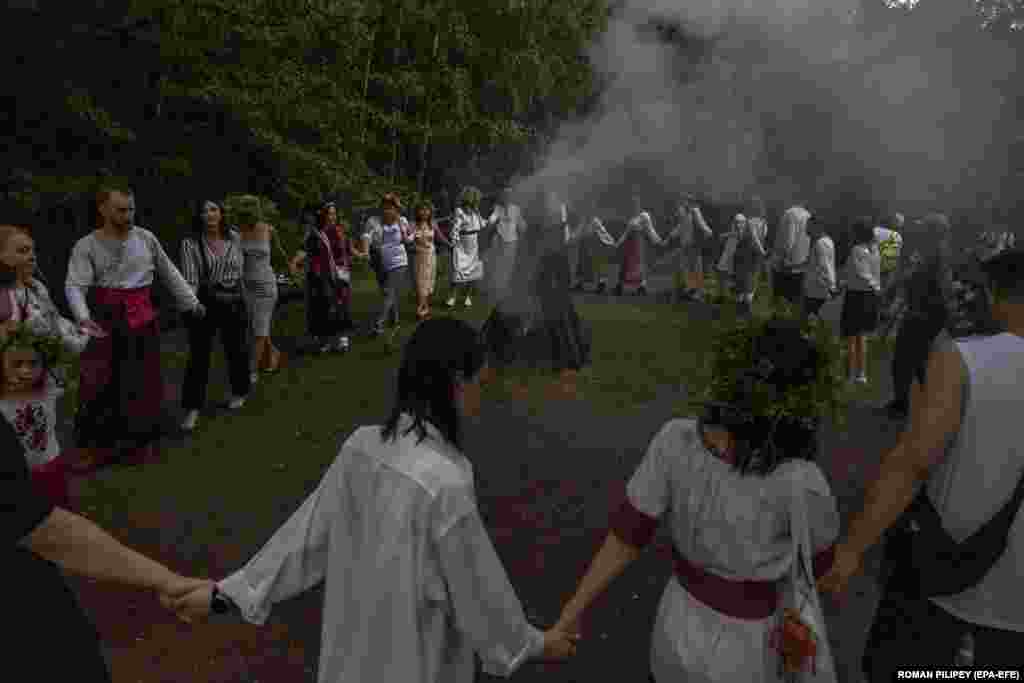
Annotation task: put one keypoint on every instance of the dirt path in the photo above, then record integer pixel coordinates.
(543, 483)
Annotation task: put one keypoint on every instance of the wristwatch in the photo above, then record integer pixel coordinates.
(220, 603)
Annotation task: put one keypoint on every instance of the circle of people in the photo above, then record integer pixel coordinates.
(424, 578)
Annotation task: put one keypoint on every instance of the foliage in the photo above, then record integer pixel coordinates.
(26, 335)
(735, 356)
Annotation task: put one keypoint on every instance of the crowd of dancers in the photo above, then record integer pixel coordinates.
(415, 588)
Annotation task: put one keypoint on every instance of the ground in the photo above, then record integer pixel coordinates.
(543, 480)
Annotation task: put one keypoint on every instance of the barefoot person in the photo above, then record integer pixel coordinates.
(424, 233)
(414, 586)
(259, 283)
(110, 273)
(746, 506)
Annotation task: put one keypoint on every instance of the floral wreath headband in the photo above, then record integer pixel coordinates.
(27, 336)
(779, 370)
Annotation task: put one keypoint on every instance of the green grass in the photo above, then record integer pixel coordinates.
(240, 475)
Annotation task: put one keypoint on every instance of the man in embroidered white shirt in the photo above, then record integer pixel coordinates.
(110, 274)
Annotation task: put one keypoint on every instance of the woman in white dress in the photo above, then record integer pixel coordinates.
(414, 587)
(746, 507)
(467, 267)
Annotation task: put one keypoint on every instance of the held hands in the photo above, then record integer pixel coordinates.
(188, 598)
(846, 564)
(91, 328)
(559, 644)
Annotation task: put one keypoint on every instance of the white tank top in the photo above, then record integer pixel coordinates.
(979, 472)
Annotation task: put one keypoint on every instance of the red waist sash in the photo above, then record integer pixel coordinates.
(138, 307)
(751, 600)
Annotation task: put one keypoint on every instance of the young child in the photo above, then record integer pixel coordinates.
(29, 390)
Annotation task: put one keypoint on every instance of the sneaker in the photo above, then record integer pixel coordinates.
(450, 303)
(236, 402)
(860, 379)
(345, 344)
(340, 344)
(895, 410)
(468, 302)
(191, 418)
(254, 377)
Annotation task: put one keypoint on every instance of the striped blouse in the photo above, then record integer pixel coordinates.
(224, 269)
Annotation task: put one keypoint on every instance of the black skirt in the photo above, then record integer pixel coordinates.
(860, 314)
(561, 342)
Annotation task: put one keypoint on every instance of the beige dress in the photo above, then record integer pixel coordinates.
(426, 259)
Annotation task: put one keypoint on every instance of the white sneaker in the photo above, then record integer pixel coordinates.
(191, 418)
(254, 377)
(450, 303)
(468, 302)
(345, 344)
(861, 379)
(236, 402)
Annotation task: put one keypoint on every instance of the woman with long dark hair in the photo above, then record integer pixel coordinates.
(751, 517)
(415, 588)
(212, 263)
(329, 250)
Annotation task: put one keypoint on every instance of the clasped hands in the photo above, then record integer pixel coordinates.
(191, 601)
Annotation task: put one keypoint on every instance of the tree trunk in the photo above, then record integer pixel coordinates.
(426, 133)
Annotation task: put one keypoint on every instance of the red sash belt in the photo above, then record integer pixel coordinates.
(138, 307)
(751, 600)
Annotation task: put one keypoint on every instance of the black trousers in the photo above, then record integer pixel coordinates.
(232, 324)
(910, 353)
(789, 286)
(909, 631)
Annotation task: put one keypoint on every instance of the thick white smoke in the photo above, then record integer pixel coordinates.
(795, 101)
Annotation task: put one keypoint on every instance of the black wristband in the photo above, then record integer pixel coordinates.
(220, 603)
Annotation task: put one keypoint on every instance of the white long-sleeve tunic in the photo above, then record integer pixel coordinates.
(413, 584)
(131, 264)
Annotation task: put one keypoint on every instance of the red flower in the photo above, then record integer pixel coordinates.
(795, 641)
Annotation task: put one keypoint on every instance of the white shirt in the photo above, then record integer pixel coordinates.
(413, 584)
(509, 220)
(391, 240)
(131, 264)
(642, 223)
(820, 278)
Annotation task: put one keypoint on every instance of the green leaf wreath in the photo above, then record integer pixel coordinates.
(56, 357)
(734, 355)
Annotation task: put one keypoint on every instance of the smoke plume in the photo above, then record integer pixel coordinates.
(792, 100)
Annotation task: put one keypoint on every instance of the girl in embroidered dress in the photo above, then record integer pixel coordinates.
(29, 390)
(634, 241)
(328, 261)
(467, 267)
(749, 513)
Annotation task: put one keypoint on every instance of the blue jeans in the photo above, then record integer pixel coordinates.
(393, 284)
